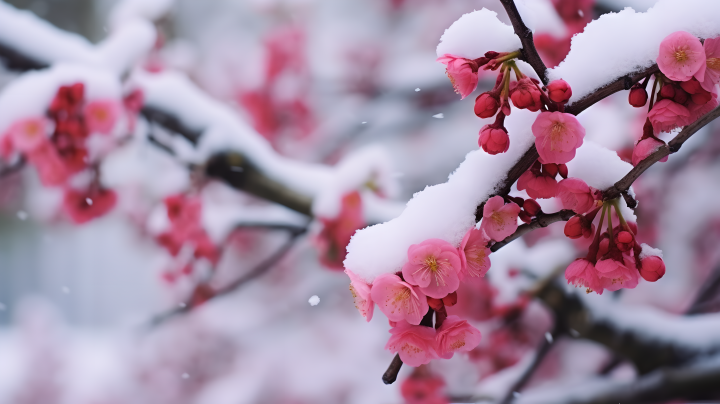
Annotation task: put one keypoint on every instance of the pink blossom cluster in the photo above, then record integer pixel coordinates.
(333, 238)
(685, 90)
(57, 146)
(615, 259)
(558, 134)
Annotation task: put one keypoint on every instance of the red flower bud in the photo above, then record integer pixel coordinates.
(652, 268)
(624, 237)
(531, 207)
(667, 91)
(435, 304)
(517, 200)
(578, 226)
(681, 96)
(559, 91)
(450, 300)
(524, 216)
(486, 105)
(563, 170)
(638, 96)
(692, 86)
(524, 94)
(550, 170)
(702, 97)
(494, 140)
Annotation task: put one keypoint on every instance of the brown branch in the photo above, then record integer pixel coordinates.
(542, 351)
(529, 53)
(542, 220)
(673, 146)
(258, 270)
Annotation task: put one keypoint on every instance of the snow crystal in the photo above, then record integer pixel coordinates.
(439, 116)
(22, 215)
(65, 290)
(549, 338)
(445, 211)
(314, 300)
(185, 376)
(603, 52)
(417, 89)
(476, 33)
(648, 251)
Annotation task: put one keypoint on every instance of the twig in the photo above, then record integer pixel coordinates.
(16, 61)
(528, 50)
(673, 146)
(258, 270)
(542, 220)
(542, 351)
(6, 171)
(708, 292)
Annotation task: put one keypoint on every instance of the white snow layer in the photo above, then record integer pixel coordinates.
(40, 40)
(620, 43)
(445, 211)
(476, 33)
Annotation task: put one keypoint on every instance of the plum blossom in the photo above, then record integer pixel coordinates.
(414, 343)
(557, 136)
(398, 300)
(576, 195)
(712, 64)
(698, 110)
(559, 91)
(361, 294)
(681, 57)
(652, 268)
(537, 185)
(486, 104)
(499, 219)
(525, 94)
(456, 335)
(83, 206)
(646, 147)
(578, 226)
(336, 232)
(423, 387)
(617, 272)
(101, 116)
(185, 228)
(434, 265)
(667, 115)
(462, 73)
(494, 140)
(474, 254)
(27, 135)
(582, 272)
(49, 165)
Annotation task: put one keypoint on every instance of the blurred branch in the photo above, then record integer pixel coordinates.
(672, 147)
(542, 220)
(16, 61)
(542, 351)
(528, 50)
(13, 168)
(258, 270)
(707, 295)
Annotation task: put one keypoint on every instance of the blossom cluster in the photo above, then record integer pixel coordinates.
(66, 142)
(683, 91)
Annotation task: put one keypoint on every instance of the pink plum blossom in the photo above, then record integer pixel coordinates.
(27, 135)
(525, 94)
(84, 206)
(617, 273)
(101, 116)
(398, 300)
(712, 64)
(486, 105)
(455, 335)
(667, 115)
(575, 194)
(361, 294)
(499, 219)
(537, 185)
(433, 265)
(646, 147)
(49, 165)
(474, 254)
(414, 343)
(582, 272)
(681, 57)
(557, 136)
(494, 140)
(462, 73)
(698, 110)
(333, 238)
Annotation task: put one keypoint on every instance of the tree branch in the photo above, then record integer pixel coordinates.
(673, 146)
(542, 220)
(542, 351)
(258, 270)
(528, 50)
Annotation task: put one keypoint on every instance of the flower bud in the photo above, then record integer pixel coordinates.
(435, 304)
(667, 91)
(517, 200)
(638, 96)
(525, 95)
(550, 170)
(491, 54)
(578, 226)
(563, 170)
(691, 86)
(681, 96)
(624, 237)
(486, 105)
(702, 97)
(450, 300)
(531, 207)
(604, 245)
(653, 268)
(494, 140)
(524, 216)
(559, 91)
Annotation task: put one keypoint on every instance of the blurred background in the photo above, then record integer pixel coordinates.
(318, 79)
